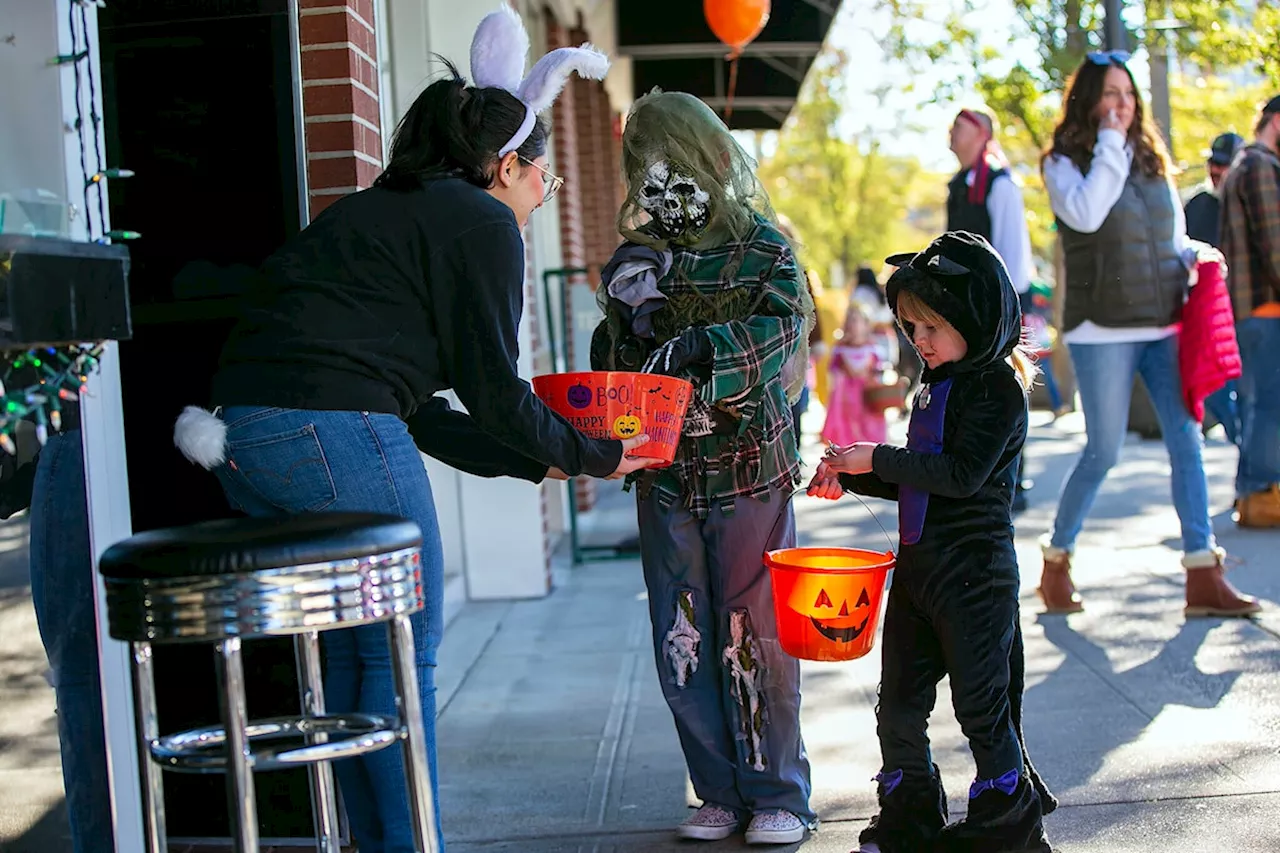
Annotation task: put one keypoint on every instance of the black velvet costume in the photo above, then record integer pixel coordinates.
(953, 606)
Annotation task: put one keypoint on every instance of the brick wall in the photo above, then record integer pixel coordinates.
(566, 156)
(343, 136)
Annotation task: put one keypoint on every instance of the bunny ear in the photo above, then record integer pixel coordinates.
(541, 88)
(499, 50)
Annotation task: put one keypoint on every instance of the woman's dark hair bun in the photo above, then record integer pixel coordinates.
(456, 129)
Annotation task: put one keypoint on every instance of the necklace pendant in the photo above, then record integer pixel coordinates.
(922, 399)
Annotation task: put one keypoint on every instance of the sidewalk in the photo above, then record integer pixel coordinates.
(1155, 732)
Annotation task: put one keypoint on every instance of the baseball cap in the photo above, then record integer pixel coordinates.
(1224, 148)
(1272, 106)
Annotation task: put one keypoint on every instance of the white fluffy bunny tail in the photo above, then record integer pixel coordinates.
(201, 436)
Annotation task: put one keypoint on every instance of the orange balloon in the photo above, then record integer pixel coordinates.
(736, 22)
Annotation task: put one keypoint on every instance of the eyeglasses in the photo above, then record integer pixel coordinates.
(1109, 57)
(551, 184)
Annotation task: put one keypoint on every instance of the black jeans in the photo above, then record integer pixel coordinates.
(960, 621)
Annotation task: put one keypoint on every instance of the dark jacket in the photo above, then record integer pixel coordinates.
(388, 298)
(1129, 272)
(964, 215)
(1204, 212)
(955, 480)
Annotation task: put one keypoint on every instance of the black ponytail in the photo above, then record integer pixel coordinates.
(456, 129)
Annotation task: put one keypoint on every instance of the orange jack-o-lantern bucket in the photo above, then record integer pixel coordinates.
(618, 404)
(828, 600)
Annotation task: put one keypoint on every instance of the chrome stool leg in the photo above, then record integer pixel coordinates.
(324, 800)
(416, 770)
(235, 720)
(148, 728)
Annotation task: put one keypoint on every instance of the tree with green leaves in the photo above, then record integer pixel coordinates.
(851, 201)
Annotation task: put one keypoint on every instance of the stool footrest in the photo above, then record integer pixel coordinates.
(204, 750)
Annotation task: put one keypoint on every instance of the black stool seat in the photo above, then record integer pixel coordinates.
(235, 546)
(262, 577)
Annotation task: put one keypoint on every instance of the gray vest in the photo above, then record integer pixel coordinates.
(1127, 273)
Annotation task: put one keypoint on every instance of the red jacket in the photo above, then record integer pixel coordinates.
(1208, 356)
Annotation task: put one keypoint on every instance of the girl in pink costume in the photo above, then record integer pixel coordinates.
(855, 359)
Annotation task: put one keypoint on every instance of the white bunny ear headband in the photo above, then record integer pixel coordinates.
(498, 53)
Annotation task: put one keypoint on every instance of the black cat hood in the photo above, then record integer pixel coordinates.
(962, 278)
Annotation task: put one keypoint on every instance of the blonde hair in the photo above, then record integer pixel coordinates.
(912, 309)
(855, 309)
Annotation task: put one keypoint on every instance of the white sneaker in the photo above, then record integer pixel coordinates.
(775, 826)
(709, 823)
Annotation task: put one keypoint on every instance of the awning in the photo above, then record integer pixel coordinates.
(673, 48)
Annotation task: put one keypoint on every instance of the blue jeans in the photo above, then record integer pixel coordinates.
(1104, 373)
(702, 575)
(1051, 385)
(283, 461)
(1222, 404)
(1258, 390)
(62, 590)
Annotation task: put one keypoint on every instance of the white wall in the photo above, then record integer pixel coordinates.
(32, 138)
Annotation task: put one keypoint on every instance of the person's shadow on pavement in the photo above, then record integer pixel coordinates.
(1072, 726)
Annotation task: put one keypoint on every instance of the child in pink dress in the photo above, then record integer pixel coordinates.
(855, 359)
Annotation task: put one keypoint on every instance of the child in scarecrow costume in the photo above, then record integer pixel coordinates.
(707, 288)
(953, 606)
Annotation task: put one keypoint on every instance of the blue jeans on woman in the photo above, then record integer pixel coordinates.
(285, 461)
(1104, 374)
(63, 592)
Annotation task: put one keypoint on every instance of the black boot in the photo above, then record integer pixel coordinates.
(998, 822)
(912, 813)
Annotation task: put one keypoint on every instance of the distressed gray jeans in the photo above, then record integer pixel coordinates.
(734, 693)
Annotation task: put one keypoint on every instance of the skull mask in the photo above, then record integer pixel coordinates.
(679, 207)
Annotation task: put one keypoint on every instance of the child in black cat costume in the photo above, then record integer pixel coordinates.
(953, 607)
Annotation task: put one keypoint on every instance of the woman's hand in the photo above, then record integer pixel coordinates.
(1110, 121)
(631, 463)
(854, 459)
(825, 483)
(554, 473)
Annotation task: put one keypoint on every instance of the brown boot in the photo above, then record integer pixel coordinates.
(1056, 588)
(1209, 593)
(1260, 509)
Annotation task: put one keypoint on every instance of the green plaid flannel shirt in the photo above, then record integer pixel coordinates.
(745, 377)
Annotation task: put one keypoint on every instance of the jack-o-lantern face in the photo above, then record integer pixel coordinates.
(838, 610)
(579, 396)
(626, 426)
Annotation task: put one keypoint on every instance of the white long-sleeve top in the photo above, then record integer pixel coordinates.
(1083, 202)
(1009, 235)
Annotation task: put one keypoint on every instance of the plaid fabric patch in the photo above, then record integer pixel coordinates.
(1251, 229)
(748, 296)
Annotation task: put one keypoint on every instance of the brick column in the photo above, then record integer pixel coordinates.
(343, 137)
(566, 154)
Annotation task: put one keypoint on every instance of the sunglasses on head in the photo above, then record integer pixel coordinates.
(1108, 57)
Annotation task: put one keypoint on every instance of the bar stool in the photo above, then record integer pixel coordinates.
(226, 581)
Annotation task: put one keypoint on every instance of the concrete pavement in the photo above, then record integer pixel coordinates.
(1156, 733)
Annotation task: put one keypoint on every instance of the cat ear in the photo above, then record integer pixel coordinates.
(499, 50)
(549, 76)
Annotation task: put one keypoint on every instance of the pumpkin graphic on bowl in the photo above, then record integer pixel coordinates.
(626, 426)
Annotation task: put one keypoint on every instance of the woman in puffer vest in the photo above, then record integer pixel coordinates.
(1128, 261)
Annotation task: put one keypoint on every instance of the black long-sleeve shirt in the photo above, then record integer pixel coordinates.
(389, 298)
(971, 482)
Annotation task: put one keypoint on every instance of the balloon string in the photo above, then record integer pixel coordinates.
(733, 83)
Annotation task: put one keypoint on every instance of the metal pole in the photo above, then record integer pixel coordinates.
(1114, 33)
(1161, 110)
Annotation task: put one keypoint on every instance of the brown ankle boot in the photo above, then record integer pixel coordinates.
(1056, 588)
(1260, 509)
(1209, 593)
